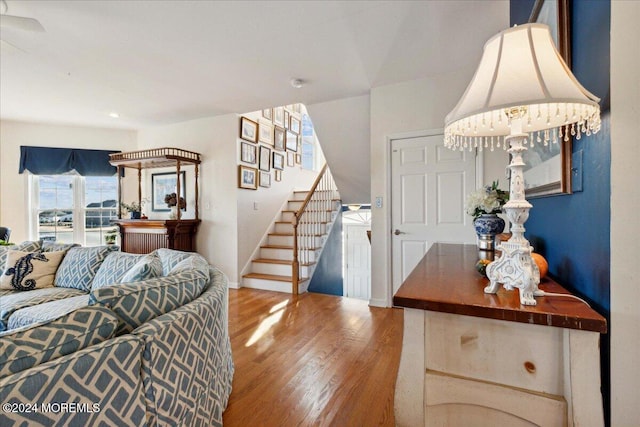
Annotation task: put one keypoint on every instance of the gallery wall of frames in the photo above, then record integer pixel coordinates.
(269, 145)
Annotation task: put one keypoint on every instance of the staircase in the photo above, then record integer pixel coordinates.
(296, 239)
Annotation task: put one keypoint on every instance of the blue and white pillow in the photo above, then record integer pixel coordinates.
(80, 266)
(113, 268)
(148, 267)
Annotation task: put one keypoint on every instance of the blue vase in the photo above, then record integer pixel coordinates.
(135, 215)
(488, 226)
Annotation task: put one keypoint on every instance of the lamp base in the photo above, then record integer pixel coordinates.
(515, 269)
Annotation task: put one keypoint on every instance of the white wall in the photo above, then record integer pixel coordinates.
(343, 128)
(418, 105)
(625, 205)
(215, 139)
(258, 208)
(13, 186)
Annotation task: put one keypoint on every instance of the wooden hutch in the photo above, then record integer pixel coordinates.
(141, 236)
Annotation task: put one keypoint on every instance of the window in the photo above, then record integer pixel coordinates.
(72, 208)
(308, 144)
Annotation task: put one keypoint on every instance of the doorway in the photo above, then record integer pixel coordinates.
(357, 252)
(429, 184)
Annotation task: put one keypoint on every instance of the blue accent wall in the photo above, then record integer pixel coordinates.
(327, 278)
(573, 231)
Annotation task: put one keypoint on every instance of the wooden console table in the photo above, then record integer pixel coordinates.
(470, 358)
(141, 236)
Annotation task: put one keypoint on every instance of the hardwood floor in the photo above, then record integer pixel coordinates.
(311, 360)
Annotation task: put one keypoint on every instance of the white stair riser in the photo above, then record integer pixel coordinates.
(312, 205)
(281, 254)
(283, 228)
(267, 285)
(280, 240)
(277, 269)
(320, 216)
(273, 285)
(287, 254)
(303, 228)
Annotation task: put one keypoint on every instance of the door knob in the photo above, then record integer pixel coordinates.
(398, 232)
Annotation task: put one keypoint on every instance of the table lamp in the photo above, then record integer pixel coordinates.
(522, 90)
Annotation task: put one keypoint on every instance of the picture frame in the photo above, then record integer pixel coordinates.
(279, 138)
(278, 175)
(267, 113)
(265, 159)
(278, 116)
(265, 179)
(294, 124)
(299, 159)
(265, 133)
(164, 183)
(548, 168)
(291, 141)
(287, 115)
(291, 158)
(248, 130)
(247, 152)
(296, 108)
(278, 161)
(247, 177)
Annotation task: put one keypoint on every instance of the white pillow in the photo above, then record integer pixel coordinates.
(25, 271)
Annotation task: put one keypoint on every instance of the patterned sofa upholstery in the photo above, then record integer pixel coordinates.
(155, 352)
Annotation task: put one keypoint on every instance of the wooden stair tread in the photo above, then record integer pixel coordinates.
(273, 277)
(277, 247)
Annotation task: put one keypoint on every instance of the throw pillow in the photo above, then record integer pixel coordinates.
(27, 246)
(115, 265)
(25, 271)
(80, 265)
(148, 267)
(49, 246)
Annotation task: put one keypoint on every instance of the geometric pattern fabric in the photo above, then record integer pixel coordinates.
(80, 265)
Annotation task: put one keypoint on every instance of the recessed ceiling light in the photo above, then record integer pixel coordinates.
(297, 83)
(114, 115)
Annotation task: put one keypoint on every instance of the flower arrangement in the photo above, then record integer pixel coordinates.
(487, 200)
(172, 200)
(133, 206)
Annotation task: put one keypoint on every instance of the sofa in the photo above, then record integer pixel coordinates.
(114, 339)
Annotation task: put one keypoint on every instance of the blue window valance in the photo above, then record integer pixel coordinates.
(56, 161)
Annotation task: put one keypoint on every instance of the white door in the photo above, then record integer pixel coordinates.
(357, 254)
(429, 184)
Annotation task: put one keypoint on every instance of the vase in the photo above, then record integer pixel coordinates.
(174, 212)
(135, 215)
(488, 226)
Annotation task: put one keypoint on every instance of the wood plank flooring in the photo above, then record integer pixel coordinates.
(311, 360)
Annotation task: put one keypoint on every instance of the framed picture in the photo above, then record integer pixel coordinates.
(265, 132)
(548, 168)
(299, 159)
(278, 116)
(265, 159)
(265, 179)
(163, 184)
(247, 177)
(247, 153)
(292, 141)
(291, 158)
(267, 113)
(248, 129)
(286, 119)
(278, 161)
(296, 108)
(294, 124)
(278, 138)
(278, 176)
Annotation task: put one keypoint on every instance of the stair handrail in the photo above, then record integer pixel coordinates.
(297, 218)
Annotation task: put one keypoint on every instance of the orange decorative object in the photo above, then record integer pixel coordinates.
(542, 263)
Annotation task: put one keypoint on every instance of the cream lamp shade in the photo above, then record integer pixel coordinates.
(522, 73)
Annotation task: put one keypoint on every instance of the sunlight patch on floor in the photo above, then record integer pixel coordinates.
(276, 314)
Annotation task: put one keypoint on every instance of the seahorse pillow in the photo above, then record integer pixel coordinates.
(25, 271)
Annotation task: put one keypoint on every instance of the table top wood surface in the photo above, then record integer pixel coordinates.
(446, 280)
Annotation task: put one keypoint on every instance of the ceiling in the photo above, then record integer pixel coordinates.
(161, 62)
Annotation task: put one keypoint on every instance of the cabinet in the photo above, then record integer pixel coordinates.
(145, 235)
(470, 358)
